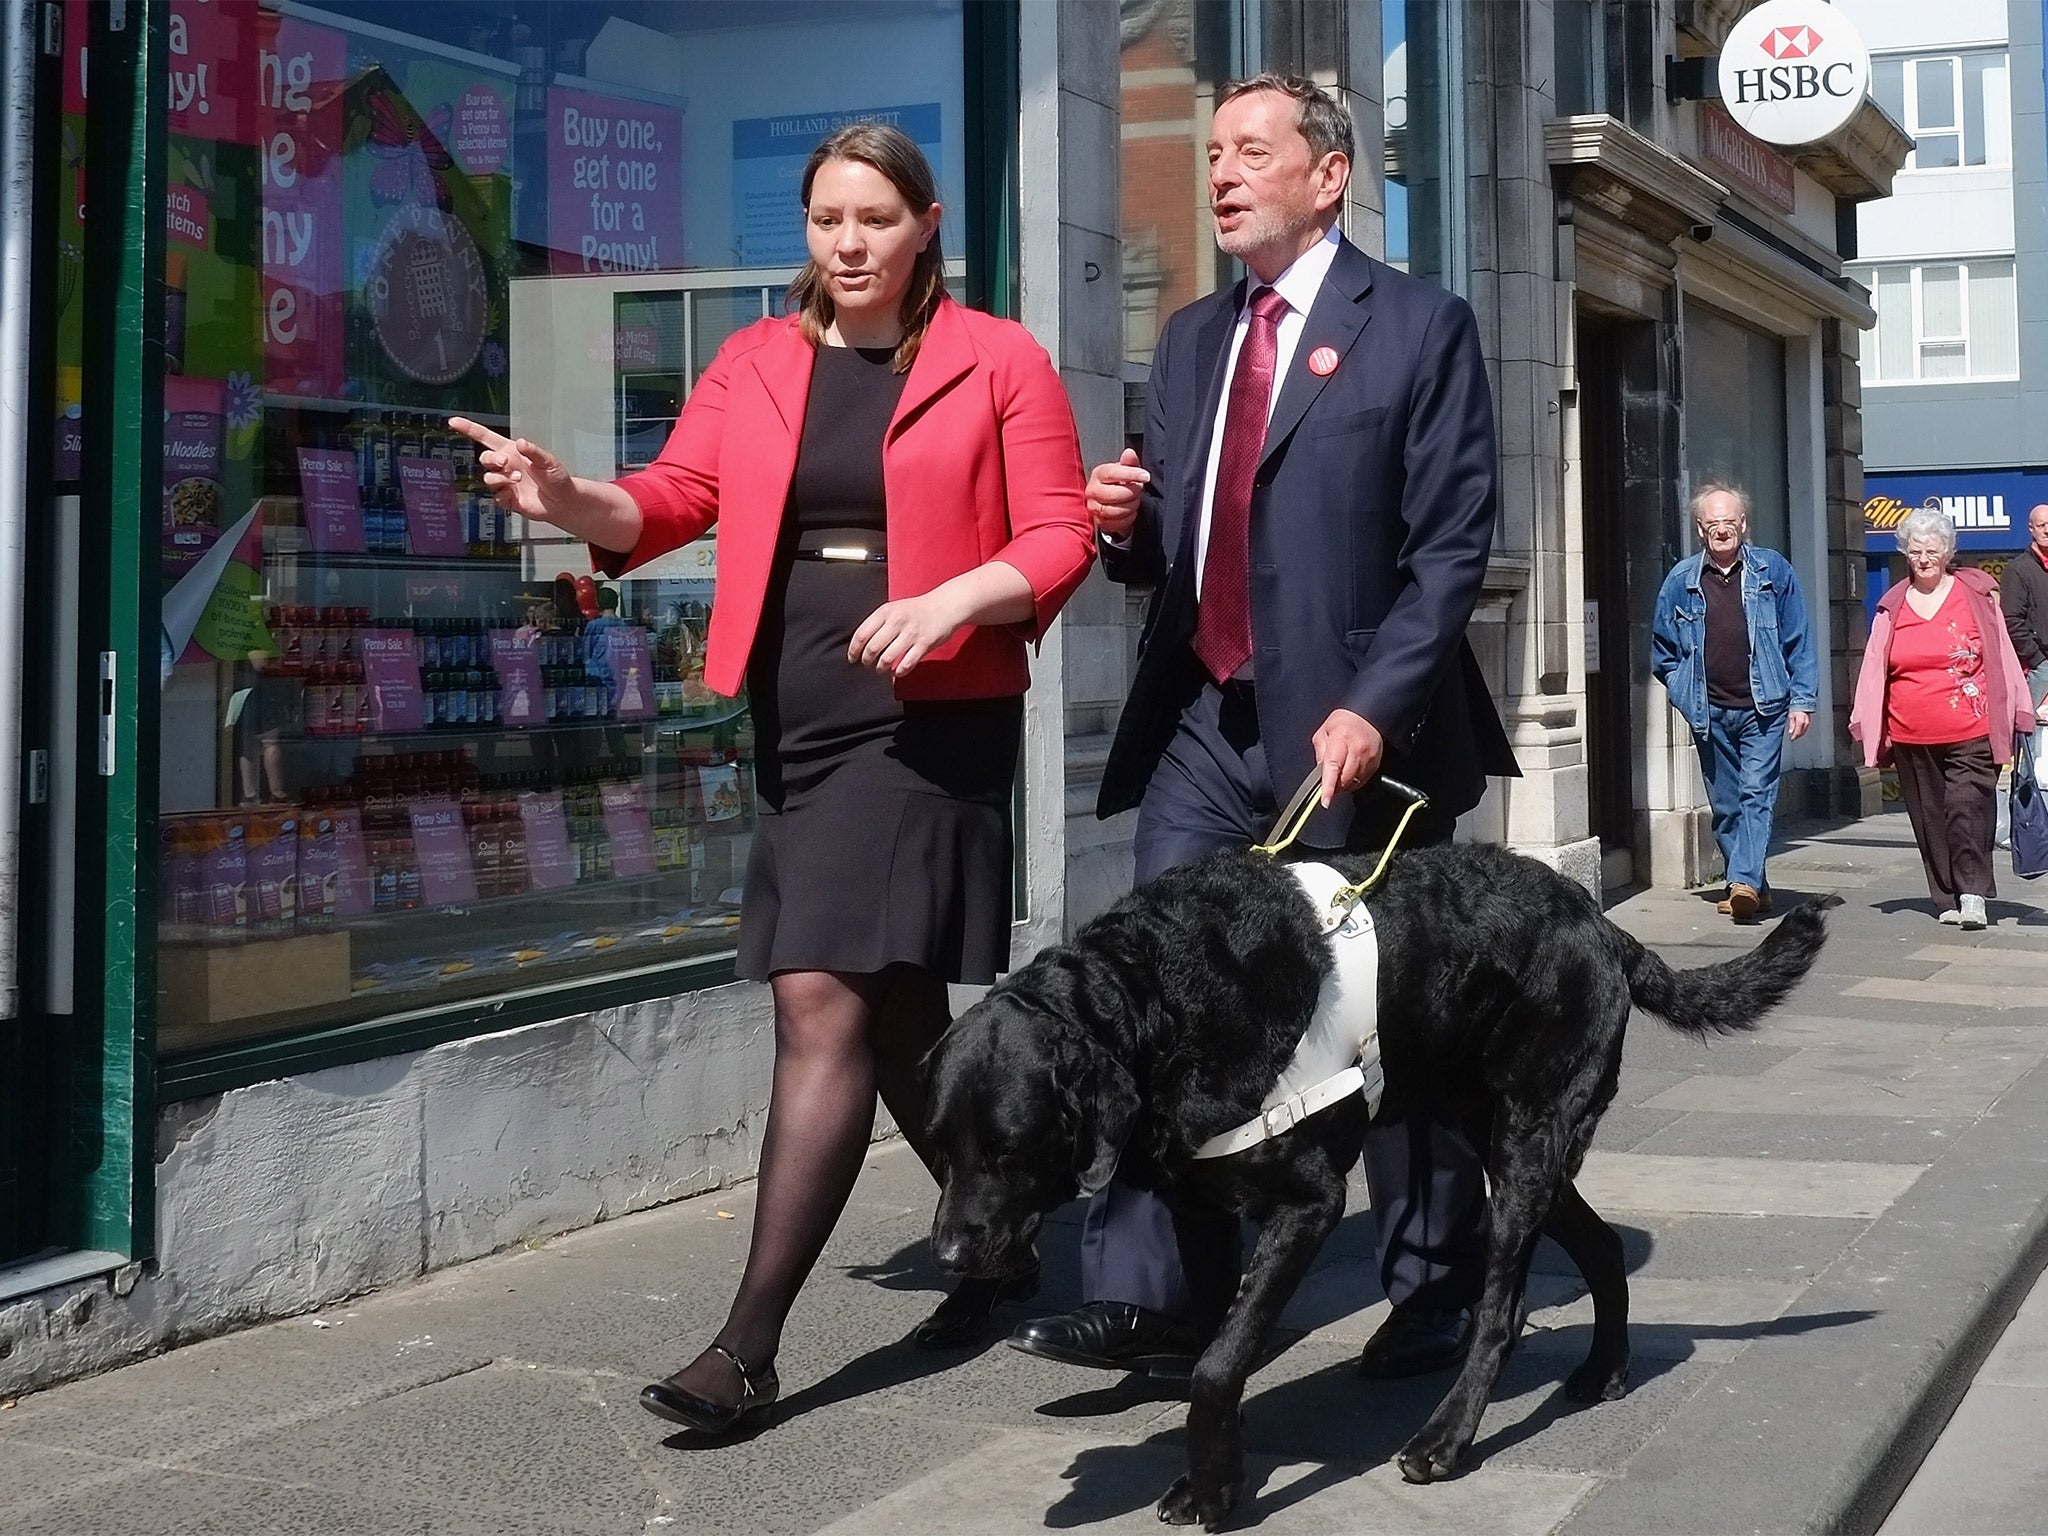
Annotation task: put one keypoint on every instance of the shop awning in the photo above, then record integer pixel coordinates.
(1989, 506)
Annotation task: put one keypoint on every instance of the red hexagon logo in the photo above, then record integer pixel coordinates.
(1792, 42)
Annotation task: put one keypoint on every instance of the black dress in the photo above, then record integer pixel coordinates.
(884, 834)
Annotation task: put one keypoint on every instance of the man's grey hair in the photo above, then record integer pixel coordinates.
(1322, 119)
(1698, 504)
(1926, 523)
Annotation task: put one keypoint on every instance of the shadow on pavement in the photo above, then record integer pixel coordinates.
(1346, 1425)
(1999, 911)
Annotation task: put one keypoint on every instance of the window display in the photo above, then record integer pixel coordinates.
(410, 750)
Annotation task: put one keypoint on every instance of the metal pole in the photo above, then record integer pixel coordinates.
(17, 230)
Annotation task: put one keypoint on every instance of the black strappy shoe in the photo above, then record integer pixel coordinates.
(758, 1391)
(960, 1319)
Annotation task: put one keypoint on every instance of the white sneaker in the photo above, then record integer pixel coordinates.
(1973, 912)
(1952, 916)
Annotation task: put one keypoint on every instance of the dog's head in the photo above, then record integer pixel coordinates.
(1026, 1108)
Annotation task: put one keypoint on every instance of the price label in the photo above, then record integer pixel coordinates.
(441, 842)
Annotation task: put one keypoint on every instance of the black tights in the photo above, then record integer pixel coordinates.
(839, 1039)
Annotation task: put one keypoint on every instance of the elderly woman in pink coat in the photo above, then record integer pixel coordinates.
(1941, 697)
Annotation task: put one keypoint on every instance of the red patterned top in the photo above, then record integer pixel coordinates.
(1935, 693)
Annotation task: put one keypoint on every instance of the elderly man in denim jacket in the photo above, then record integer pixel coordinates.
(1731, 646)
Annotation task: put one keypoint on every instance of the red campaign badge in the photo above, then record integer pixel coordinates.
(1323, 362)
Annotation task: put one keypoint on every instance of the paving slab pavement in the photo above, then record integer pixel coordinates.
(1986, 1475)
(1827, 1226)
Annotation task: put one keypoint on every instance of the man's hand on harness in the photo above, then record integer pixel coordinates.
(1349, 750)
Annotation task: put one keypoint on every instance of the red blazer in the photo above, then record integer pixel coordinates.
(980, 462)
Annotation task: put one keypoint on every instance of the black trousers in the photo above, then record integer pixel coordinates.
(1951, 795)
(1427, 1179)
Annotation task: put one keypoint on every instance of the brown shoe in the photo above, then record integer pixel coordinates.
(1743, 903)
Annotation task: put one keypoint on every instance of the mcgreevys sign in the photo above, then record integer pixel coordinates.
(1988, 506)
(1793, 71)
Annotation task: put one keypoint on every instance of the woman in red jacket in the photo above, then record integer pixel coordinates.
(897, 488)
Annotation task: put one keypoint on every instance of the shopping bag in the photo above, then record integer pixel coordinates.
(2029, 814)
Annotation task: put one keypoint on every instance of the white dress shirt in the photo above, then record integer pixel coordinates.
(1298, 285)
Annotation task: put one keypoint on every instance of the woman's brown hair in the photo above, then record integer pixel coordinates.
(896, 155)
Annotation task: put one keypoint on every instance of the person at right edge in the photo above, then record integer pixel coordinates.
(1313, 513)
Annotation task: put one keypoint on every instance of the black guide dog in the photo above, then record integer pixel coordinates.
(1503, 992)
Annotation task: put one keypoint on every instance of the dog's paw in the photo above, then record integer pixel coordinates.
(1185, 1505)
(1595, 1382)
(1428, 1458)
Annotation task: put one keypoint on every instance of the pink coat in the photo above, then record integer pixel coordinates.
(2009, 710)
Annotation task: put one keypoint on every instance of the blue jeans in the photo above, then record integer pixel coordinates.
(1740, 761)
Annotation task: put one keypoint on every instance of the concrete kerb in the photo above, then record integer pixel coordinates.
(1823, 1431)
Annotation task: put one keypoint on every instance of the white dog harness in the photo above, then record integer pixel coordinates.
(1340, 1054)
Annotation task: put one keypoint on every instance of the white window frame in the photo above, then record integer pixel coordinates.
(1866, 273)
(1910, 96)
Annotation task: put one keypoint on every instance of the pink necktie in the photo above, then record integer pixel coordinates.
(1223, 621)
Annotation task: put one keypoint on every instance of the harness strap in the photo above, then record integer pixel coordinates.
(1366, 1078)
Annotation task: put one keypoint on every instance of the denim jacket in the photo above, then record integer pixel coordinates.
(1781, 660)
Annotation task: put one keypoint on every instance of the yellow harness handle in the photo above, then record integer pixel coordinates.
(1288, 826)
(1294, 817)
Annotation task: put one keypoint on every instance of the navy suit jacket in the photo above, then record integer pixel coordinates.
(1372, 516)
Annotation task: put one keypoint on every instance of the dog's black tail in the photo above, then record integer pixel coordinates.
(1736, 994)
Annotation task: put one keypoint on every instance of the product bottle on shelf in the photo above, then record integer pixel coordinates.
(316, 698)
(377, 434)
(405, 438)
(348, 697)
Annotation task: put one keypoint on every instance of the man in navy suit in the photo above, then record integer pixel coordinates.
(1313, 511)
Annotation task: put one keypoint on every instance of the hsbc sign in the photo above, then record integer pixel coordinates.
(1793, 71)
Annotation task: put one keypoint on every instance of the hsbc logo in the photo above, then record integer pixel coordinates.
(1793, 83)
(1791, 42)
(1793, 71)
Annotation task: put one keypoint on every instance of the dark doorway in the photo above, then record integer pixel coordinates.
(1610, 732)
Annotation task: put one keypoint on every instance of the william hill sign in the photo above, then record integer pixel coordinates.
(1794, 71)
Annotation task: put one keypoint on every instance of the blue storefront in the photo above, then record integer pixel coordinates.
(1989, 508)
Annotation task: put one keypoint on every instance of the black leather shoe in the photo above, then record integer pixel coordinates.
(1414, 1341)
(1112, 1336)
(758, 1391)
(961, 1317)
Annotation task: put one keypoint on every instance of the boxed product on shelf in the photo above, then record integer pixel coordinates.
(271, 864)
(223, 877)
(201, 984)
(718, 790)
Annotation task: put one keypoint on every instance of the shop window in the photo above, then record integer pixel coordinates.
(1423, 93)
(410, 752)
(1941, 321)
(1957, 107)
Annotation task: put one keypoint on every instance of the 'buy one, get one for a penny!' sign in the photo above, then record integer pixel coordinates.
(615, 187)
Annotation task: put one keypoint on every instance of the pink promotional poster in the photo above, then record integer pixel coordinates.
(297, 119)
(615, 188)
